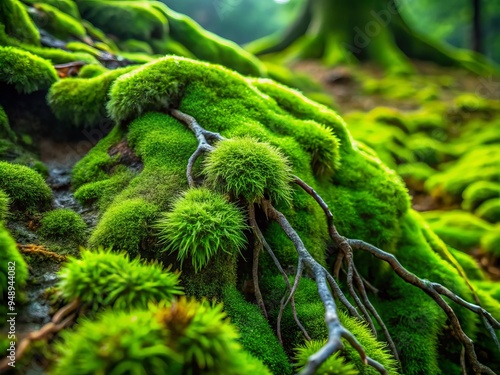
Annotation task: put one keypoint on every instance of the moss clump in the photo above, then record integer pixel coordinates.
(10, 260)
(459, 229)
(489, 210)
(18, 24)
(4, 205)
(102, 278)
(25, 71)
(63, 224)
(180, 338)
(59, 56)
(82, 101)
(249, 320)
(334, 365)
(479, 192)
(26, 188)
(201, 225)
(126, 19)
(244, 167)
(91, 71)
(125, 226)
(133, 45)
(58, 23)
(491, 242)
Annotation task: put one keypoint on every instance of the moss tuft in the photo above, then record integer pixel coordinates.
(201, 225)
(26, 188)
(4, 206)
(103, 278)
(25, 71)
(10, 260)
(63, 224)
(334, 365)
(489, 210)
(91, 71)
(125, 226)
(244, 167)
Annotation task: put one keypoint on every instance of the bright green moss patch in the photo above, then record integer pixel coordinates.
(25, 71)
(104, 278)
(479, 192)
(125, 226)
(66, 6)
(489, 210)
(249, 320)
(26, 188)
(334, 365)
(91, 71)
(82, 47)
(82, 101)
(63, 224)
(18, 24)
(58, 23)
(491, 241)
(10, 260)
(243, 167)
(458, 229)
(126, 19)
(201, 225)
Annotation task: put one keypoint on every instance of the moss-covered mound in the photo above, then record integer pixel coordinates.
(63, 224)
(368, 200)
(26, 188)
(25, 71)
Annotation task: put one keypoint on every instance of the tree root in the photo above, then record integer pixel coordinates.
(32, 249)
(328, 288)
(61, 319)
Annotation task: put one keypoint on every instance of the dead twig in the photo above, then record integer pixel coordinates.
(32, 249)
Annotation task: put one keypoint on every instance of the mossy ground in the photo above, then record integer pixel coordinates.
(444, 144)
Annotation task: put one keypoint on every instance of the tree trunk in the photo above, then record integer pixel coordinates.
(345, 31)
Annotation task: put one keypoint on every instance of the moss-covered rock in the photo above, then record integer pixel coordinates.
(26, 188)
(25, 71)
(63, 224)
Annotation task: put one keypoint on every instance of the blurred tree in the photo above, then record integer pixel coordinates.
(342, 31)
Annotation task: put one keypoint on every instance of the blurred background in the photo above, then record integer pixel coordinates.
(245, 20)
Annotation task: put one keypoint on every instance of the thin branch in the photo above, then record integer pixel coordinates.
(201, 135)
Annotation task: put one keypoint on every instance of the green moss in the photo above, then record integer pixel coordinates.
(458, 229)
(415, 174)
(182, 337)
(469, 265)
(4, 206)
(58, 23)
(243, 167)
(82, 101)
(479, 164)
(133, 45)
(82, 47)
(491, 242)
(63, 224)
(489, 210)
(66, 6)
(200, 226)
(334, 365)
(26, 188)
(249, 319)
(91, 71)
(11, 263)
(18, 24)
(102, 278)
(6, 132)
(126, 19)
(25, 71)
(473, 103)
(478, 192)
(125, 226)
(59, 56)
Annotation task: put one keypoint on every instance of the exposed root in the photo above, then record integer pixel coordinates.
(61, 319)
(32, 249)
(202, 135)
(327, 284)
(255, 264)
(434, 290)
